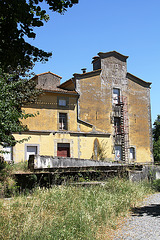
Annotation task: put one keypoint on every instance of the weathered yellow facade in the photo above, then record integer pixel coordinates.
(103, 114)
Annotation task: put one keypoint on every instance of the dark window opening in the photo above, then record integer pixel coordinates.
(62, 121)
(132, 153)
(63, 150)
(117, 125)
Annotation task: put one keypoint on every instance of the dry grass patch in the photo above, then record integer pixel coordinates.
(69, 212)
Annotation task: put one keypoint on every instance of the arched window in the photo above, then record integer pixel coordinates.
(96, 145)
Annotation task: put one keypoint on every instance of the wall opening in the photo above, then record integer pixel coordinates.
(8, 155)
(118, 152)
(63, 121)
(116, 95)
(132, 153)
(117, 125)
(63, 150)
(31, 150)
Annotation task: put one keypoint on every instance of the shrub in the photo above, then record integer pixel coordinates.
(7, 183)
(156, 185)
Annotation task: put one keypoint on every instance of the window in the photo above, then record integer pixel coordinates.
(62, 121)
(117, 125)
(31, 149)
(118, 152)
(62, 102)
(116, 95)
(132, 153)
(63, 150)
(96, 147)
(8, 155)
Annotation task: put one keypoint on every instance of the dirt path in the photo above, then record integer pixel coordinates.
(144, 222)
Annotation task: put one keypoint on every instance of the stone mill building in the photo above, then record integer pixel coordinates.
(104, 114)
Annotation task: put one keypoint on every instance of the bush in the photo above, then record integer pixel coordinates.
(7, 183)
(156, 185)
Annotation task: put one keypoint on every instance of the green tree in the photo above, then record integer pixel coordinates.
(18, 18)
(14, 94)
(156, 139)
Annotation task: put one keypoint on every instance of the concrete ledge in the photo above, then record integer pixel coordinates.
(48, 162)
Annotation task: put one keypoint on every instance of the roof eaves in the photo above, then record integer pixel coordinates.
(113, 53)
(138, 80)
(62, 91)
(46, 73)
(87, 74)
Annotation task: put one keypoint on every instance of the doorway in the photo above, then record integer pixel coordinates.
(63, 150)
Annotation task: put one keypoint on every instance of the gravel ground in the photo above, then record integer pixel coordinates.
(144, 222)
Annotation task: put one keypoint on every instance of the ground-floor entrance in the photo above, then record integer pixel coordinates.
(63, 149)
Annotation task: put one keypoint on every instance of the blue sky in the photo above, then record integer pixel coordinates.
(131, 27)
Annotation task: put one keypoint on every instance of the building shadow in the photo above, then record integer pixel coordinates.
(151, 210)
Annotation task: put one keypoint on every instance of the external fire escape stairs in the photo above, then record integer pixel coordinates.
(122, 136)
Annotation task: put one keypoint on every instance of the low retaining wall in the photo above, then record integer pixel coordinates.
(148, 172)
(74, 165)
(48, 162)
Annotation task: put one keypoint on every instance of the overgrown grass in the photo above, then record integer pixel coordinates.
(68, 212)
(8, 186)
(20, 167)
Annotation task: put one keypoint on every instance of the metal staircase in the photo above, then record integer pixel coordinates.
(123, 135)
(124, 129)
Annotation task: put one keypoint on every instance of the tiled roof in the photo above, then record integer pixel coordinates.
(59, 90)
(46, 73)
(66, 83)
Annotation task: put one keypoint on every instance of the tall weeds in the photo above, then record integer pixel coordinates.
(68, 212)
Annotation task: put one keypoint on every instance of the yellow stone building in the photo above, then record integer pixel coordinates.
(103, 114)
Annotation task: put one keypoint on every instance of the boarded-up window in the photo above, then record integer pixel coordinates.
(62, 102)
(63, 150)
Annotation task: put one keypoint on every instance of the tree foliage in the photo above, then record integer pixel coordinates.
(14, 94)
(18, 18)
(156, 139)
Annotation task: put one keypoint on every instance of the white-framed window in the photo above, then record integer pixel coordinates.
(62, 102)
(132, 153)
(8, 154)
(31, 149)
